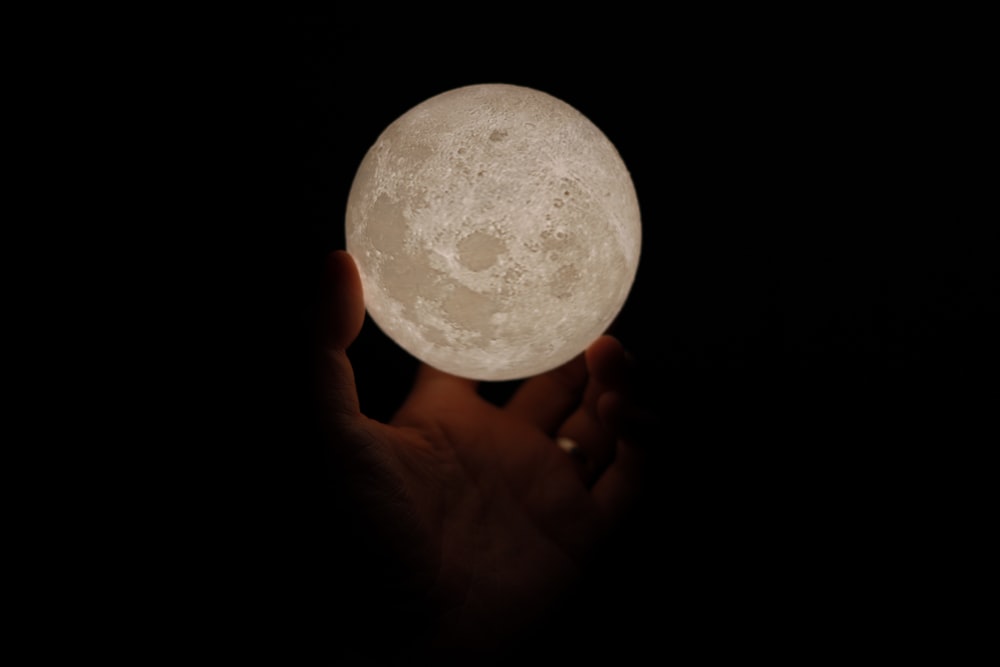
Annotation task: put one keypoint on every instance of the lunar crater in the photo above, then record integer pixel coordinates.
(496, 231)
(479, 250)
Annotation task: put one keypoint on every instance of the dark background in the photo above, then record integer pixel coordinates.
(814, 310)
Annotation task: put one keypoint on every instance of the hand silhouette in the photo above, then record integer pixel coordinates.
(488, 513)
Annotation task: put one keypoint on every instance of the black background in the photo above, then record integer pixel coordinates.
(814, 309)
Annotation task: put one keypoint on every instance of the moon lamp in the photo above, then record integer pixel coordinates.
(496, 230)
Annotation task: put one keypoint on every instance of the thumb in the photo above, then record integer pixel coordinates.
(345, 313)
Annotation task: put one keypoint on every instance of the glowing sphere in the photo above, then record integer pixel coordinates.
(496, 230)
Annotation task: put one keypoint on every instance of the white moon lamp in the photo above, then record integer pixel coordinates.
(496, 230)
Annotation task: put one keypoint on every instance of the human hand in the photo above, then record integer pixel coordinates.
(488, 513)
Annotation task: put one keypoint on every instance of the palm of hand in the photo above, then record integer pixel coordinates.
(490, 514)
(488, 519)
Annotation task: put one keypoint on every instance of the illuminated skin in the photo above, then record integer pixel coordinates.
(484, 515)
(496, 230)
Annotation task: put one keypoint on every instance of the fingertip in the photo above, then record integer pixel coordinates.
(606, 361)
(342, 268)
(605, 342)
(433, 389)
(427, 375)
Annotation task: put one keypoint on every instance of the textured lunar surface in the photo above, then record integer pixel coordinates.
(496, 230)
